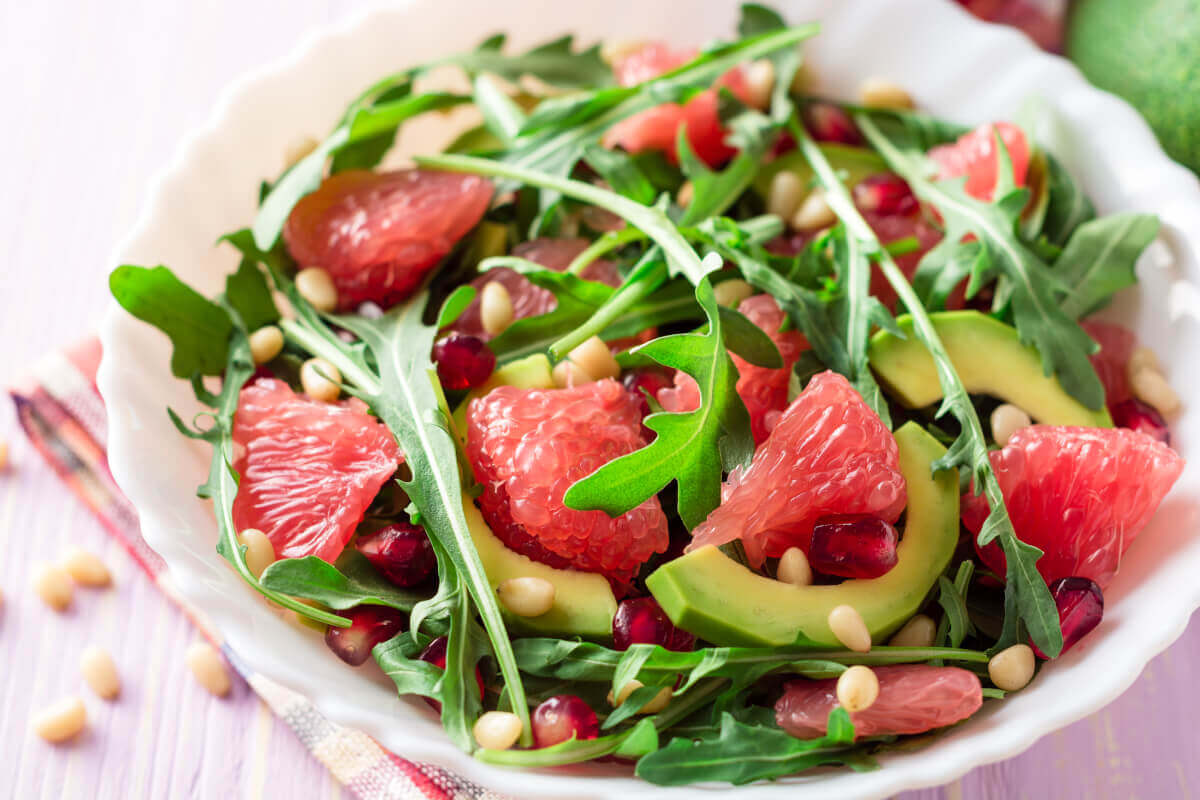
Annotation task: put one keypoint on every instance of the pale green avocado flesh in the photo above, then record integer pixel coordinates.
(854, 163)
(990, 360)
(724, 602)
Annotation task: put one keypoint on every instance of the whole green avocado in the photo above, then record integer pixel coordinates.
(1148, 52)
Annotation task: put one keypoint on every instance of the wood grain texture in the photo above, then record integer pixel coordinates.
(96, 98)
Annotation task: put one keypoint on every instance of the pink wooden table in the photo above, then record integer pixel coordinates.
(96, 98)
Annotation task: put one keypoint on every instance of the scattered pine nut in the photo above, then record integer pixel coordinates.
(497, 730)
(785, 194)
(658, 703)
(266, 343)
(208, 668)
(495, 308)
(731, 293)
(814, 213)
(882, 93)
(53, 585)
(1006, 420)
(1012, 668)
(850, 629)
(527, 597)
(567, 374)
(260, 553)
(794, 568)
(316, 286)
(760, 81)
(298, 149)
(805, 79)
(99, 672)
(1151, 387)
(60, 721)
(86, 568)
(857, 688)
(594, 358)
(917, 632)
(683, 197)
(1141, 358)
(320, 380)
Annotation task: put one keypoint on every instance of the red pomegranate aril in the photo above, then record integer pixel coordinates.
(1138, 416)
(463, 362)
(641, 620)
(828, 123)
(647, 381)
(884, 193)
(369, 626)
(435, 653)
(562, 717)
(1080, 608)
(401, 552)
(853, 546)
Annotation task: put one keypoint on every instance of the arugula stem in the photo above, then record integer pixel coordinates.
(319, 346)
(610, 241)
(648, 275)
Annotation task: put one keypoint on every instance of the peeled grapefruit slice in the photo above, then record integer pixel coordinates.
(974, 155)
(308, 469)
(1112, 359)
(378, 234)
(1081, 495)
(829, 454)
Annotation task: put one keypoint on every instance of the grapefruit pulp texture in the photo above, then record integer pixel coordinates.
(829, 454)
(308, 469)
(975, 156)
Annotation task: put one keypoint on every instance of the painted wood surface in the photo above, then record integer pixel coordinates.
(95, 97)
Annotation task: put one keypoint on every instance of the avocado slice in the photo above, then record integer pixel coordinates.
(988, 357)
(723, 602)
(856, 162)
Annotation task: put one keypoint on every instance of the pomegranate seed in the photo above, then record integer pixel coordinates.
(1135, 414)
(853, 546)
(463, 362)
(647, 381)
(828, 123)
(435, 653)
(561, 717)
(983, 299)
(640, 620)
(400, 551)
(884, 193)
(1080, 608)
(369, 625)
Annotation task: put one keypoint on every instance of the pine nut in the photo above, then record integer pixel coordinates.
(567, 374)
(794, 568)
(99, 672)
(86, 568)
(1151, 387)
(683, 197)
(53, 585)
(60, 721)
(594, 358)
(527, 597)
(617, 49)
(1006, 420)
(850, 629)
(495, 308)
(260, 553)
(208, 668)
(785, 194)
(299, 149)
(760, 81)
(731, 293)
(320, 380)
(266, 343)
(881, 93)
(814, 213)
(1142, 358)
(657, 704)
(497, 730)
(917, 632)
(857, 688)
(1012, 668)
(316, 286)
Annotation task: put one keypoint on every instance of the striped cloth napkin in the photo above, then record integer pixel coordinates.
(61, 412)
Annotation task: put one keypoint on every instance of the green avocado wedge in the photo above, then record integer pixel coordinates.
(723, 602)
(989, 358)
(855, 163)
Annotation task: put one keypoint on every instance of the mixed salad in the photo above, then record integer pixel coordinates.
(674, 413)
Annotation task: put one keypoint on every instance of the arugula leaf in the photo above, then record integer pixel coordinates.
(455, 304)
(623, 174)
(199, 329)
(690, 447)
(1099, 259)
(555, 62)
(411, 675)
(501, 115)
(952, 597)
(748, 340)
(250, 296)
(742, 753)
(715, 191)
(352, 582)
(1028, 282)
(1067, 206)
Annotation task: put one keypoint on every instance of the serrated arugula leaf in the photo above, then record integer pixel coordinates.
(248, 293)
(689, 448)
(555, 62)
(411, 675)
(501, 114)
(1067, 207)
(623, 174)
(1029, 284)
(1099, 259)
(952, 597)
(714, 191)
(199, 329)
(742, 753)
(351, 582)
(748, 340)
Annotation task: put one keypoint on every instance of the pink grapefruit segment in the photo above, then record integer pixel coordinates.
(975, 156)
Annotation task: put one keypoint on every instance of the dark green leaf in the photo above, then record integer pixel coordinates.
(1067, 208)
(455, 304)
(247, 291)
(1099, 259)
(352, 582)
(555, 62)
(622, 173)
(748, 340)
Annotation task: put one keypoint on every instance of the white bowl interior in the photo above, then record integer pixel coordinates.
(986, 73)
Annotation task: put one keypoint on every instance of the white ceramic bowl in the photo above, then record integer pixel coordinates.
(954, 66)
